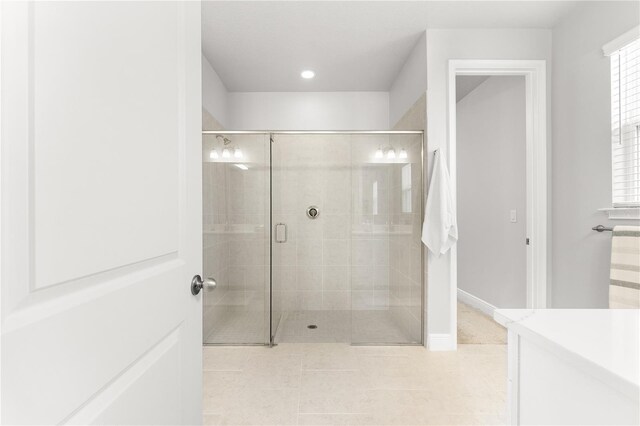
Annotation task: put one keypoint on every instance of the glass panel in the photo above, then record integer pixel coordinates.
(311, 269)
(386, 252)
(236, 247)
(353, 271)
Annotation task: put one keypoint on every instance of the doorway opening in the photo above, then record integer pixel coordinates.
(497, 146)
(491, 201)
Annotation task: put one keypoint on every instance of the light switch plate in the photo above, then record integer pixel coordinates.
(513, 215)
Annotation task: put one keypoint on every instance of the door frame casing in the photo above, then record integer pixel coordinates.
(534, 72)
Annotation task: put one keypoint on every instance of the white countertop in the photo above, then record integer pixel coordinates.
(606, 342)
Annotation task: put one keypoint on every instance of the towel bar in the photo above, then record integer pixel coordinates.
(601, 228)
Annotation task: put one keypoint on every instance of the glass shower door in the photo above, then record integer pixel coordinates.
(386, 272)
(236, 202)
(311, 245)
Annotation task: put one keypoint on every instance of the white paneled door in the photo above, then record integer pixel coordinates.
(101, 212)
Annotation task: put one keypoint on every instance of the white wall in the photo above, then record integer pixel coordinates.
(582, 151)
(214, 93)
(308, 110)
(292, 110)
(410, 83)
(491, 181)
(443, 45)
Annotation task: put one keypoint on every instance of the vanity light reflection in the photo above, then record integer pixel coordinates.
(389, 153)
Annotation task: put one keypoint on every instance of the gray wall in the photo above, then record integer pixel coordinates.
(581, 151)
(491, 155)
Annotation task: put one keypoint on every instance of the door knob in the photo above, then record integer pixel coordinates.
(197, 284)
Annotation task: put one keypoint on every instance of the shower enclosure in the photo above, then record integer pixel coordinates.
(313, 237)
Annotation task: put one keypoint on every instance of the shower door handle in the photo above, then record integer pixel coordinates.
(197, 284)
(281, 233)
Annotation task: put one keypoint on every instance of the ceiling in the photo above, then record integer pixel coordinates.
(351, 45)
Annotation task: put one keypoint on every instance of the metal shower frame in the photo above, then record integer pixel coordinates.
(423, 180)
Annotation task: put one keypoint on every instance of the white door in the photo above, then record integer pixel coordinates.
(101, 212)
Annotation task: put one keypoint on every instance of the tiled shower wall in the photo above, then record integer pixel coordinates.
(215, 241)
(363, 252)
(405, 246)
(312, 269)
(236, 240)
(371, 199)
(407, 256)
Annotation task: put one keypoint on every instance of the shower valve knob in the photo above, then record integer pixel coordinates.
(313, 212)
(197, 284)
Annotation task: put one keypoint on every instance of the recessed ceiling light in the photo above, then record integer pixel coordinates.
(307, 74)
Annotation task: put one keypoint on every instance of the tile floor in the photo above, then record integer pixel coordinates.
(477, 327)
(339, 384)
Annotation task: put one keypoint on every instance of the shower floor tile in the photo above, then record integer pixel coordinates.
(332, 327)
(340, 384)
(226, 324)
(341, 327)
(233, 325)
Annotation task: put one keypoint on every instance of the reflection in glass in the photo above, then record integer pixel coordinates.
(236, 239)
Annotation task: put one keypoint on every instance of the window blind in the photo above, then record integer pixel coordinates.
(625, 125)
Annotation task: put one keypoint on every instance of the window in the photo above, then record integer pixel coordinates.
(625, 124)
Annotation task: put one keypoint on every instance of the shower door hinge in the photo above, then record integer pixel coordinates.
(528, 242)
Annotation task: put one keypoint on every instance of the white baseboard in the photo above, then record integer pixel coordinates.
(476, 302)
(441, 342)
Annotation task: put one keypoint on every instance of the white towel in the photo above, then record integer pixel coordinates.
(439, 230)
(624, 288)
